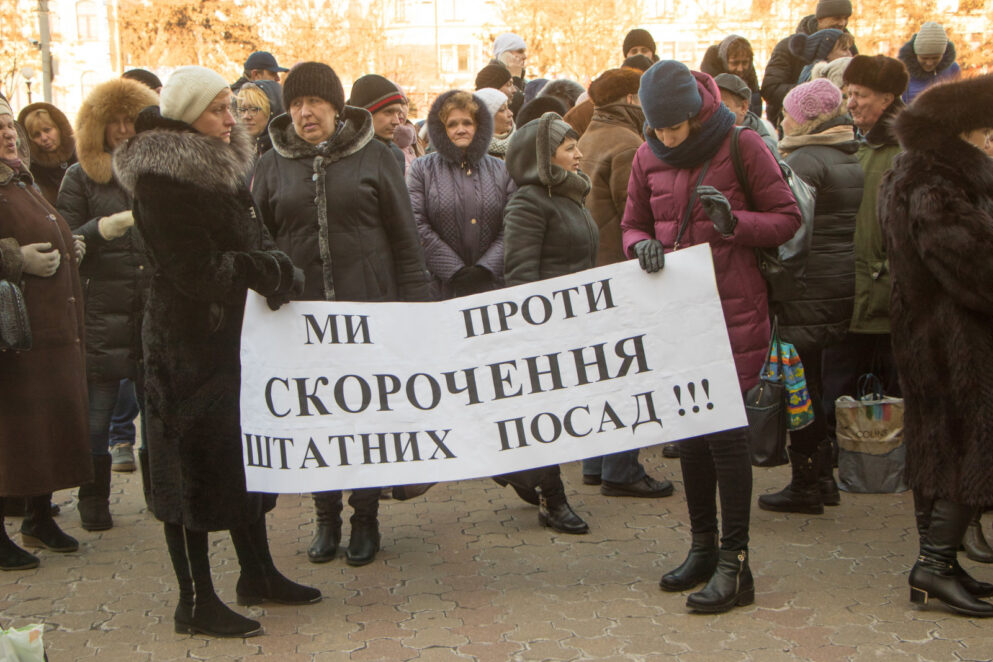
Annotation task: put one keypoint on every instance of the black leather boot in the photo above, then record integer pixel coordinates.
(830, 495)
(364, 541)
(13, 557)
(698, 567)
(803, 494)
(94, 498)
(922, 513)
(327, 536)
(39, 529)
(554, 510)
(730, 586)
(260, 581)
(974, 542)
(407, 492)
(934, 576)
(200, 611)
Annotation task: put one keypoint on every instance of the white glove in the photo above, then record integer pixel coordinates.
(115, 225)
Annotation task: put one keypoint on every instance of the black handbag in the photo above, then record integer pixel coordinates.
(15, 331)
(765, 407)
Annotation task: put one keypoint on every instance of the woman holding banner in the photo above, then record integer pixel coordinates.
(186, 170)
(547, 233)
(686, 159)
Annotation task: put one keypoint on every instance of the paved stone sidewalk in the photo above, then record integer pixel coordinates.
(466, 573)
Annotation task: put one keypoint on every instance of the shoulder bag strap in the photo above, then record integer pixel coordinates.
(689, 207)
(739, 166)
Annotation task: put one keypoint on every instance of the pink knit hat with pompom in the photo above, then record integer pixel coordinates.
(811, 100)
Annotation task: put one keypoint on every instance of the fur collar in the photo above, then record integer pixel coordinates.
(439, 137)
(354, 132)
(909, 59)
(187, 157)
(119, 95)
(67, 145)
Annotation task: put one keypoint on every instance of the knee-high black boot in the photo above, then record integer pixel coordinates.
(922, 514)
(554, 510)
(94, 498)
(260, 581)
(327, 535)
(39, 529)
(365, 539)
(934, 575)
(13, 557)
(199, 609)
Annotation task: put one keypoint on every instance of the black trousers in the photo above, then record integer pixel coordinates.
(718, 461)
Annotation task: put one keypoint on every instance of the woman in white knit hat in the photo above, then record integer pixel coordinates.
(929, 57)
(503, 120)
(186, 170)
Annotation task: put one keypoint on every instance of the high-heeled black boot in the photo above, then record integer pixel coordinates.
(934, 576)
(13, 557)
(260, 581)
(554, 510)
(39, 529)
(922, 514)
(200, 611)
(364, 541)
(327, 536)
(698, 567)
(730, 586)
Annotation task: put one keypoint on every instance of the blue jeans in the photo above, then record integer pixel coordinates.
(122, 422)
(713, 461)
(622, 467)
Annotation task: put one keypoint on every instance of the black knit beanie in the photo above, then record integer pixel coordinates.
(373, 92)
(639, 37)
(313, 79)
(145, 77)
(826, 8)
(492, 75)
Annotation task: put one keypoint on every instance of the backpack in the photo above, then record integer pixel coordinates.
(783, 267)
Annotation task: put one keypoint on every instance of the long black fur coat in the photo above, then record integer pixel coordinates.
(936, 210)
(207, 248)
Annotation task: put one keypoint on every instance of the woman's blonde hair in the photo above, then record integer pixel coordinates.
(458, 101)
(35, 118)
(252, 95)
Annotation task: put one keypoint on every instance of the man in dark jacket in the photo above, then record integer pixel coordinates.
(784, 68)
(335, 201)
(608, 146)
(640, 42)
(384, 101)
(260, 65)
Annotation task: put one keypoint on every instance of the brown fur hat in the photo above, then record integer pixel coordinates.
(945, 111)
(879, 73)
(613, 85)
(119, 95)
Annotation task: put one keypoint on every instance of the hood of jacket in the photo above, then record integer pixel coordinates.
(620, 113)
(186, 156)
(909, 59)
(529, 160)
(443, 145)
(119, 95)
(714, 65)
(352, 133)
(67, 145)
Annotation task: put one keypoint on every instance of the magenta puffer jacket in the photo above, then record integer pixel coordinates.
(657, 197)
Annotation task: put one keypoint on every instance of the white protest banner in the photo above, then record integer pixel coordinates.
(341, 395)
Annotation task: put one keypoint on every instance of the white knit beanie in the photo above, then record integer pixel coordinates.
(508, 41)
(492, 99)
(188, 92)
(931, 40)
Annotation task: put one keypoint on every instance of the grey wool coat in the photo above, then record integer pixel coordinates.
(458, 198)
(207, 248)
(341, 211)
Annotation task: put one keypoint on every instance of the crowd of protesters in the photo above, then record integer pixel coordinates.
(135, 233)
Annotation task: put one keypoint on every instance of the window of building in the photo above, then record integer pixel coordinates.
(463, 56)
(86, 21)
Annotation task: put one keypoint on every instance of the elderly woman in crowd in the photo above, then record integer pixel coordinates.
(186, 170)
(43, 444)
(503, 120)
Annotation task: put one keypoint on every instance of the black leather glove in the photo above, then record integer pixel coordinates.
(296, 289)
(472, 280)
(717, 208)
(651, 255)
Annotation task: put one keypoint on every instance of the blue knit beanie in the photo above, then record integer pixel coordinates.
(814, 47)
(669, 94)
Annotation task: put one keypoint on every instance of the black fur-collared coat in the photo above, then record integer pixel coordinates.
(207, 248)
(936, 211)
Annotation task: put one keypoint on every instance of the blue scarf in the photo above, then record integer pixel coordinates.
(696, 149)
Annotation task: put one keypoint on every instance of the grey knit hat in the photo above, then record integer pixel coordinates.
(931, 40)
(826, 8)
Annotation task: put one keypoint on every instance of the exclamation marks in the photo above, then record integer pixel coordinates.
(691, 390)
